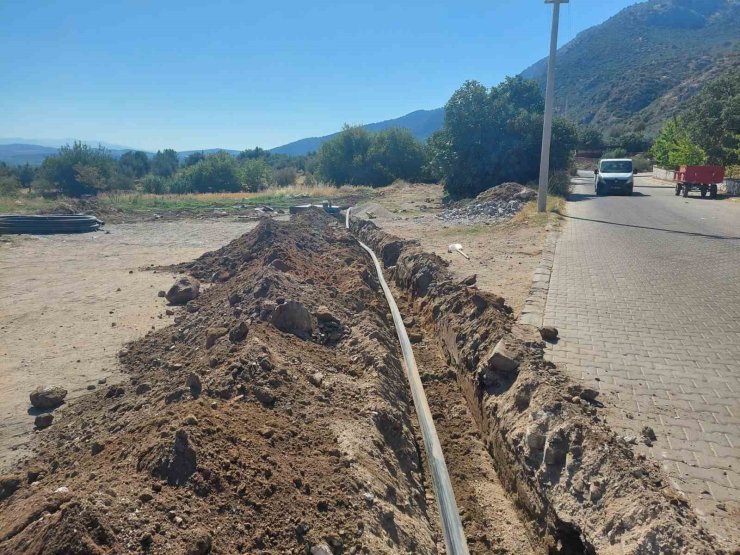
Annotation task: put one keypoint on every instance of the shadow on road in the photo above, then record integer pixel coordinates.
(724, 237)
(579, 197)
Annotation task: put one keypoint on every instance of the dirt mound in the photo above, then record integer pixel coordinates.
(234, 436)
(580, 483)
(506, 192)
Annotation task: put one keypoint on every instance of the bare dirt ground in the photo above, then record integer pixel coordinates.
(68, 303)
(503, 255)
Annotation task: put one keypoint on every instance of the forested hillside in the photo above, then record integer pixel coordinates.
(641, 66)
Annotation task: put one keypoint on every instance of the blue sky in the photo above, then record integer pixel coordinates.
(238, 74)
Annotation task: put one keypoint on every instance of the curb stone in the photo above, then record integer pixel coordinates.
(533, 311)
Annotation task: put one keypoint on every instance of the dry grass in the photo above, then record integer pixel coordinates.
(130, 202)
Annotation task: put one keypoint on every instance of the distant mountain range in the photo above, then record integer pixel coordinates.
(633, 71)
(422, 123)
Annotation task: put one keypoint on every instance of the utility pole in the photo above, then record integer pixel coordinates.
(549, 97)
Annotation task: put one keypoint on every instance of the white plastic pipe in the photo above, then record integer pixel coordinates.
(452, 528)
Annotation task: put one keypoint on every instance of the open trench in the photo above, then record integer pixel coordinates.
(274, 417)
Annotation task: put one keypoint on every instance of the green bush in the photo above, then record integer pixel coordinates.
(615, 153)
(642, 164)
(255, 174)
(358, 157)
(79, 170)
(560, 184)
(493, 136)
(9, 185)
(154, 184)
(673, 147)
(285, 177)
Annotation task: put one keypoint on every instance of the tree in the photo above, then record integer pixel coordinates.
(490, 137)
(218, 172)
(358, 157)
(193, 158)
(673, 147)
(632, 142)
(253, 154)
(255, 174)
(712, 119)
(590, 138)
(25, 175)
(395, 154)
(78, 170)
(134, 163)
(165, 162)
(343, 158)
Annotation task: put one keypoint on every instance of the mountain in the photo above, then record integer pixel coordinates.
(422, 123)
(19, 154)
(33, 153)
(56, 143)
(640, 66)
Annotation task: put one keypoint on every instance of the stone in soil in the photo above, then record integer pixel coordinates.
(43, 420)
(48, 397)
(185, 289)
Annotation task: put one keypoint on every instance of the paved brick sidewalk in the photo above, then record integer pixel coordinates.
(651, 317)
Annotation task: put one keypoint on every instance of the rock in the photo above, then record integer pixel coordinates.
(317, 378)
(184, 289)
(96, 447)
(470, 280)
(143, 388)
(589, 395)
(322, 548)
(191, 420)
(194, 383)
(281, 265)
(102, 381)
(630, 440)
(292, 317)
(43, 420)
(415, 337)
(213, 335)
(162, 293)
(114, 391)
(556, 449)
(549, 333)
(45, 397)
(238, 332)
(199, 543)
(91, 387)
(8, 485)
(501, 362)
(323, 314)
(649, 433)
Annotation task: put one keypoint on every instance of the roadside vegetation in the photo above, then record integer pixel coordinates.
(489, 136)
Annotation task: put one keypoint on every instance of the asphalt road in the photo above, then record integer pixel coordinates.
(645, 291)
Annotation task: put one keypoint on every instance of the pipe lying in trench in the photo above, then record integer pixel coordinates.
(452, 528)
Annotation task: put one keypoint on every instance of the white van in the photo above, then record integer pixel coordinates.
(614, 175)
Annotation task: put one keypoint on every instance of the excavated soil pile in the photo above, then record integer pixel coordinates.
(272, 417)
(582, 485)
(492, 205)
